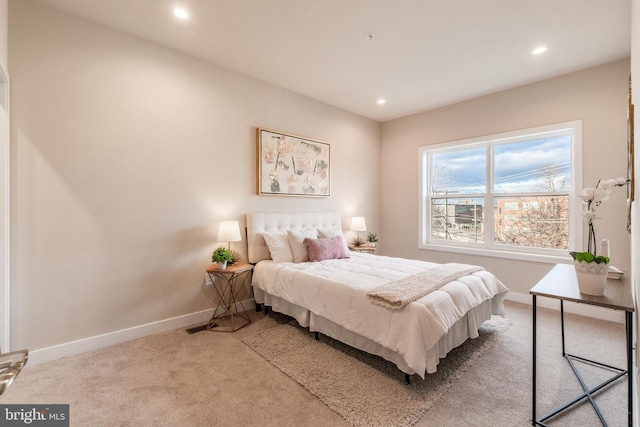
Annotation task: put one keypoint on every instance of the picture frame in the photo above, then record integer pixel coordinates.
(290, 165)
(630, 155)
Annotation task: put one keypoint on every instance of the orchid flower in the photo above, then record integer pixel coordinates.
(593, 197)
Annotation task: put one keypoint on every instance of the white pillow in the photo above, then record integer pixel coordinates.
(296, 241)
(333, 232)
(278, 244)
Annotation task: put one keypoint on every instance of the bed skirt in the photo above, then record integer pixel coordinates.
(466, 327)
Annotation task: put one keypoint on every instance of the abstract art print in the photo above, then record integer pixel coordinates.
(290, 165)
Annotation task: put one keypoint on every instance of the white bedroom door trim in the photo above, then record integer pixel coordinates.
(5, 301)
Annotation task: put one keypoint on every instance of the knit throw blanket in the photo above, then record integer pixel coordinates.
(398, 293)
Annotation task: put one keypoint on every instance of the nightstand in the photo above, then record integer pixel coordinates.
(226, 286)
(363, 249)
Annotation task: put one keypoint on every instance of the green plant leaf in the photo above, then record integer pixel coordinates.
(589, 257)
(221, 254)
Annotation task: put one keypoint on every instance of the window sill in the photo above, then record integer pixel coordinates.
(498, 253)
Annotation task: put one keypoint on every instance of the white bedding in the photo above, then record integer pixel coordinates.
(336, 290)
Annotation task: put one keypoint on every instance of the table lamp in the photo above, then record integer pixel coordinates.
(358, 224)
(229, 231)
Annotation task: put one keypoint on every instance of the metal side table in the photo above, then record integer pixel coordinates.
(561, 283)
(226, 288)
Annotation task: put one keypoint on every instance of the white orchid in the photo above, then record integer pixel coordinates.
(593, 197)
(600, 193)
(589, 214)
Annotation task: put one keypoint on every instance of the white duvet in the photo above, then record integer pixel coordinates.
(336, 290)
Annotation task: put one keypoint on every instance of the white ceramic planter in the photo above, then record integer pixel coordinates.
(222, 265)
(592, 277)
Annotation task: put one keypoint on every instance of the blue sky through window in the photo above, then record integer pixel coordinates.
(526, 166)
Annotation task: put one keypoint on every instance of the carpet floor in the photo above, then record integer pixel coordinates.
(365, 390)
(214, 379)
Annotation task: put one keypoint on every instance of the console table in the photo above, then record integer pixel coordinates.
(561, 283)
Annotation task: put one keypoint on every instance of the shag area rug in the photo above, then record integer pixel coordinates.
(366, 390)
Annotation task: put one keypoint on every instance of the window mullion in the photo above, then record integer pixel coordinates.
(489, 215)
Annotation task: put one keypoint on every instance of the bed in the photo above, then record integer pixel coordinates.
(335, 296)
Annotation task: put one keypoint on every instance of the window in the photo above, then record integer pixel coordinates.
(508, 193)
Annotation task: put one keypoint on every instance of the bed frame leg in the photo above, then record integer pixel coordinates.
(258, 307)
(407, 379)
(316, 334)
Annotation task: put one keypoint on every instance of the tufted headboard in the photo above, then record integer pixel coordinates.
(258, 223)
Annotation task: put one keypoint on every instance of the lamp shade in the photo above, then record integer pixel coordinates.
(229, 231)
(358, 224)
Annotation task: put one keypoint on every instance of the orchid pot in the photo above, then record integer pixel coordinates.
(591, 272)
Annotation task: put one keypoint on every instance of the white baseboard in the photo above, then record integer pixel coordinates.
(569, 307)
(72, 348)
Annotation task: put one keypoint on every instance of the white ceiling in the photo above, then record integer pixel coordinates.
(425, 54)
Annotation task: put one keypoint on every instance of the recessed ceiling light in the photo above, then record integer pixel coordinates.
(181, 13)
(381, 101)
(539, 50)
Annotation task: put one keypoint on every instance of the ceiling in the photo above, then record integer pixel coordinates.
(425, 53)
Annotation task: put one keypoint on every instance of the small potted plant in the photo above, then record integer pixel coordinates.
(357, 242)
(222, 256)
(372, 238)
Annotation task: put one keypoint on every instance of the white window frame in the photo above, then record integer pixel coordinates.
(488, 248)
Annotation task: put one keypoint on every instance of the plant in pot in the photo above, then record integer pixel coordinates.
(592, 268)
(222, 256)
(372, 239)
(357, 241)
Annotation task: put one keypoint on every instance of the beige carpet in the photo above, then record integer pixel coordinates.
(365, 390)
(212, 379)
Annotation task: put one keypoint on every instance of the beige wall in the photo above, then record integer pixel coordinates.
(125, 156)
(4, 16)
(4, 183)
(635, 234)
(597, 96)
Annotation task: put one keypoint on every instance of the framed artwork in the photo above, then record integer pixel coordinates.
(290, 165)
(630, 162)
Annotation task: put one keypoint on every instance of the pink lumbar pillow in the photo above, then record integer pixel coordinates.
(329, 248)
